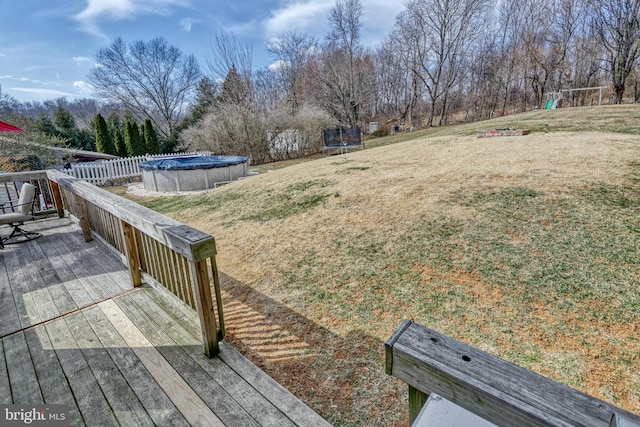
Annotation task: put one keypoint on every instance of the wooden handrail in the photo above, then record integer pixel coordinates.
(496, 390)
(173, 254)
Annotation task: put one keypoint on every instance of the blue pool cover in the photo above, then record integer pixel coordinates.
(190, 163)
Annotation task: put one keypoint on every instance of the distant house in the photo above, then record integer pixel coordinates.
(284, 141)
(85, 156)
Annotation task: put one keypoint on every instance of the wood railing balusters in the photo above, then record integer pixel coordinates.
(174, 255)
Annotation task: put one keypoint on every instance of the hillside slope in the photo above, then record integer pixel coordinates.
(523, 246)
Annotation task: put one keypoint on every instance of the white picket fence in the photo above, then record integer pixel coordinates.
(107, 171)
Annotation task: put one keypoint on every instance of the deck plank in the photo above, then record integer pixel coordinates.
(297, 412)
(89, 397)
(48, 278)
(242, 392)
(116, 355)
(53, 383)
(72, 284)
(5, 389)
(283, 399)
(9, 318)
(211, 395)
(42, 299)
(22, 376)
(183, 396)
(122, 400)
(96, 263)
(157, 404)
(25, 306)
(73, 260)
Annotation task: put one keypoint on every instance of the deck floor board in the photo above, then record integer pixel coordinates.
(53, 383)
(74, 331)
(9, 317)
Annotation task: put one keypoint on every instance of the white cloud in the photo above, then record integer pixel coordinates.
(299, 16)
(278, 65)
(81, 59)
(43, 94)
(83, 87)
(20, 79)
(118, 10)
(187, 23)
(310, 16)
(248, 28)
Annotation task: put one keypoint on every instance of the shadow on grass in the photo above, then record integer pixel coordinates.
(340, 377)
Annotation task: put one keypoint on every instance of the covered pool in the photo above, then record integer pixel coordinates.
(192, 173)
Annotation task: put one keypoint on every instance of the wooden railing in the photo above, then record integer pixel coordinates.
(492, 388)
(10, 184)
(153, 246)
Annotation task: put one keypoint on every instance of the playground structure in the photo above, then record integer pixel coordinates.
(554, 99)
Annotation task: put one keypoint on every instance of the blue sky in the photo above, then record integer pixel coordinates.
(47, 46)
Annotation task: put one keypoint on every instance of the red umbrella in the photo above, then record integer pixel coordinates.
(6, 127)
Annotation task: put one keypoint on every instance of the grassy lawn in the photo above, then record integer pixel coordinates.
(526, 247)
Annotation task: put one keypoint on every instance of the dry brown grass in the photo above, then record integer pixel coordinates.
(322, 260)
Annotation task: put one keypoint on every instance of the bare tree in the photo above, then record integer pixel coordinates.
(153, 79)
(343, 75)
(232, 56)
(292, 51)
(441, 33)
(398, 87)
(617, 23)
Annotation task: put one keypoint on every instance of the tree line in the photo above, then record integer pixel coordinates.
(443, 61)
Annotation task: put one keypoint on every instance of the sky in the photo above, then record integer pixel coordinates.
(47, 46)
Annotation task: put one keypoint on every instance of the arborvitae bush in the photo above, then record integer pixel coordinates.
(104, 143)
(151, 138)
(121, 147)
(132, 140)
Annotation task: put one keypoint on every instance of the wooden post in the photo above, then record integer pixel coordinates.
(57, 198)
(83, 218)
(133, 257)
(417, 399)
(204, 303)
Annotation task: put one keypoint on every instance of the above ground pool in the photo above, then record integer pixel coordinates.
(192, 173)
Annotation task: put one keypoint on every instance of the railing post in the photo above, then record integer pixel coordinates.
(133, 257)
(197, 247)
(83, 218)
(205, 307)
(57, 198)
(417, 399)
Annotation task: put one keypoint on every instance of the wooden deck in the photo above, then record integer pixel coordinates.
(74, 331)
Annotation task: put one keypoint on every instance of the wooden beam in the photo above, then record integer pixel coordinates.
(22, 176)
(494, 389)
(132, 255)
